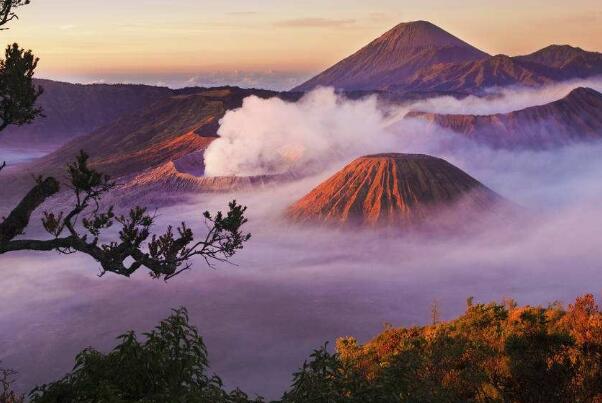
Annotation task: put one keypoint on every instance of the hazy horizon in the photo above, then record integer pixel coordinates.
(267, 44)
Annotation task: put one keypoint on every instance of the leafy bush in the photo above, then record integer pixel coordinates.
(170, 365)
(492, 353)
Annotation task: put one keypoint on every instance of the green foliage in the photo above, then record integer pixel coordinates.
(492, 353)
(84, 179)
(18, 94)
(329, 379)
(170, 365)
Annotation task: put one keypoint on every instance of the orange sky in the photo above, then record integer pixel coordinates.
(82, 38)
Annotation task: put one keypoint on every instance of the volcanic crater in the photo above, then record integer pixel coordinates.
(397, 190)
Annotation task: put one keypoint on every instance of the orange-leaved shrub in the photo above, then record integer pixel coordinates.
(492, 353)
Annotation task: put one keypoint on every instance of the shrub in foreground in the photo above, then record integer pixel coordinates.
(492, 353)
(170, 365)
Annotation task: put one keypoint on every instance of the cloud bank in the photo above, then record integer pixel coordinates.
(316, 23)
(294, 288)
(272, 136)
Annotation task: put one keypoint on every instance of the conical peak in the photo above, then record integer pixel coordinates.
(395, 57)
(403, 166)
(419, 34)
(391, 189)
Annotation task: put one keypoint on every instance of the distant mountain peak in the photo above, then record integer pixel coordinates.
(560, 48)
(571, 61)
(416, 34)
(419, 56)
(395, 57)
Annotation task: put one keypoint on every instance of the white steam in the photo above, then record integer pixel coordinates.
(272, 136)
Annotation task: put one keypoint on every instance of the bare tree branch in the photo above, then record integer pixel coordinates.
(7, 8)
(18, 219)
(165, 255)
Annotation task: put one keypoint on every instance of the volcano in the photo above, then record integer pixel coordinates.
(419, 57)
(575, 118)
(475, 77)
(568, 61)
(174, 180)
(166, 131)
(395, 57)
(393, 190)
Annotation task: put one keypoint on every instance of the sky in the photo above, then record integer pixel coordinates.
(269, 43)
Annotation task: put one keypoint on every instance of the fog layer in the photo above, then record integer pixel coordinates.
(294, 288)
(271, 136)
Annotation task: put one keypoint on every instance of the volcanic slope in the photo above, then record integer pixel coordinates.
(575, 118)
(72, 110)
(395, 57)
(475, 77)
(165, 131)
(421, 58)
(568, 61)
(398, 190)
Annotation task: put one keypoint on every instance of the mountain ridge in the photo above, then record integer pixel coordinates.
(168, 130)
(475, 77)
(72, 110)
(568, 60)
(419, 56)
(399, 52)
(576, 117)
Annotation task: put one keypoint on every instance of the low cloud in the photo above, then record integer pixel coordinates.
(241, 13)
(315, 23)
(272, 136)
(294, 288)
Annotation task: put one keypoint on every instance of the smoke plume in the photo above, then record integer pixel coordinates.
(273, 136)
